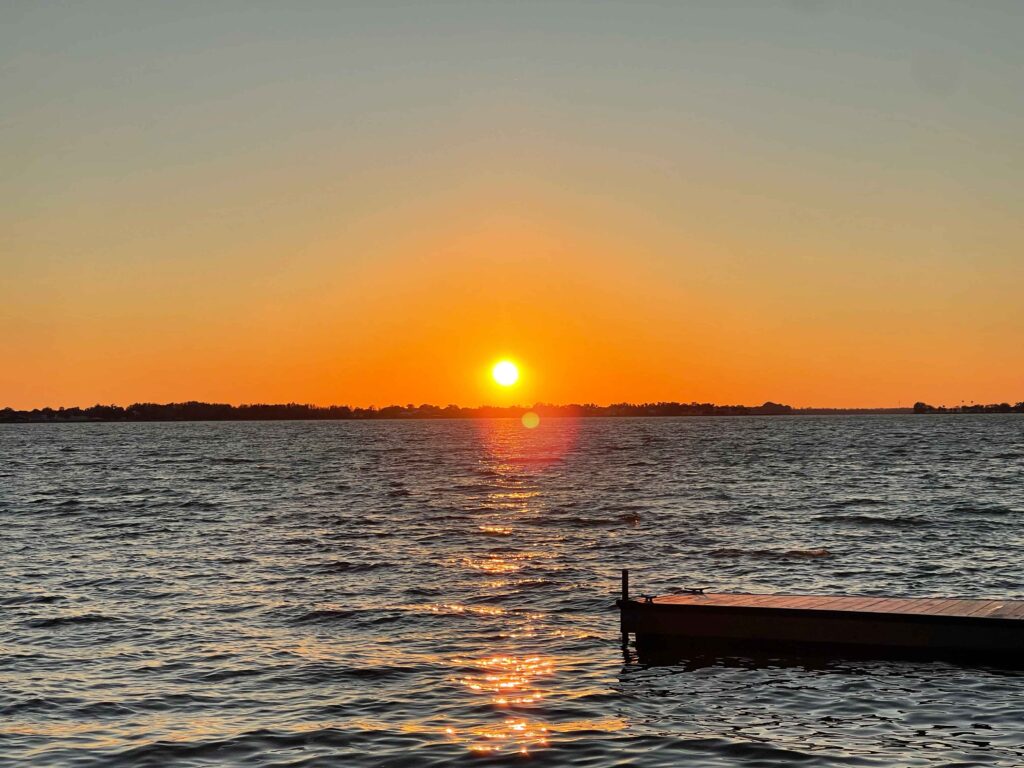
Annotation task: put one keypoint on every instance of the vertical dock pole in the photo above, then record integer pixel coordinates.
(622, 607)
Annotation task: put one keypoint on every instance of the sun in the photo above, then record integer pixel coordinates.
(505, 373)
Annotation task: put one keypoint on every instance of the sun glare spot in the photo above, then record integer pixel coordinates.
(505, 373)
(530, 420)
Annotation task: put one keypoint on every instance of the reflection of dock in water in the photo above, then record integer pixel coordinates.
(723, 623)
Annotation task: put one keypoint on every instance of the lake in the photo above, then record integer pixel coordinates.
(434, 592)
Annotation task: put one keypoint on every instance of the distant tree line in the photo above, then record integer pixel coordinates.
(972, 408)
(195, 411)
(849, 411)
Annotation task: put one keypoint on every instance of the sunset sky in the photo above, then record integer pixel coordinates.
(818, 203)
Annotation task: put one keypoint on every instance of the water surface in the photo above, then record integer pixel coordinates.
(427, 593)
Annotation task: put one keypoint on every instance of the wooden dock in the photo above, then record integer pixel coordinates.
(725, 623)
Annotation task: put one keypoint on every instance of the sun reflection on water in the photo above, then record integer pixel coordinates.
(503, 583)
(493, 563)
(511, 735)
(516, 673)
(483, 610)
(497, 530)
(507, 682)
(507, 679)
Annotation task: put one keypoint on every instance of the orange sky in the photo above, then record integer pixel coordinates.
(291, 214)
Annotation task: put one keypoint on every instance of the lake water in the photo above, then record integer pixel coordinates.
(433, 593)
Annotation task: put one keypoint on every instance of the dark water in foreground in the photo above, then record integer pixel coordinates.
(426, 593)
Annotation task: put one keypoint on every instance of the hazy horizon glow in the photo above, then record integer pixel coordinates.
(816, 203)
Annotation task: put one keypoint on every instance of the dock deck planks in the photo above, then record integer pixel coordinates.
(964, 607)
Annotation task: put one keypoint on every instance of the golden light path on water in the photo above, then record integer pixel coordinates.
(516, 677)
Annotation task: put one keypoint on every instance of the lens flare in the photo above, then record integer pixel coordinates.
(530, 420)
(505, 373)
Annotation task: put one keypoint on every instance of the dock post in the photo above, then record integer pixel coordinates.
(622, 607)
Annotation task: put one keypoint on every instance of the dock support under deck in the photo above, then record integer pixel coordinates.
(728, 623)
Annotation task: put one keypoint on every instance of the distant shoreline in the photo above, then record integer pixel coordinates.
(197, 411)
(194, 411)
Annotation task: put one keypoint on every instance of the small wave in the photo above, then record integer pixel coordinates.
(771, 554)
(855, 502)
(101, 709)
(325, 615)
(221, 675)
(480, 487)
(577, 521)
(306, 544)
(233, 750)
(982, 510)
(752, 752)
(37, 705)
(31, 599)
(368, 673)
(822, 552)
(235, 560)
(311, 675)
(198, 504)
(910, 521)
(65, 621)
(423, 591)
(344, 566)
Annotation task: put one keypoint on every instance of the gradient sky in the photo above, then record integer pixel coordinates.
(818, 203)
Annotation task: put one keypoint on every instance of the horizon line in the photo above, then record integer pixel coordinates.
(489, 406)
(382, 406)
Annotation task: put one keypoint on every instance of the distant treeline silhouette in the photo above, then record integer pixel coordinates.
(195, 411)
(972, 408)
